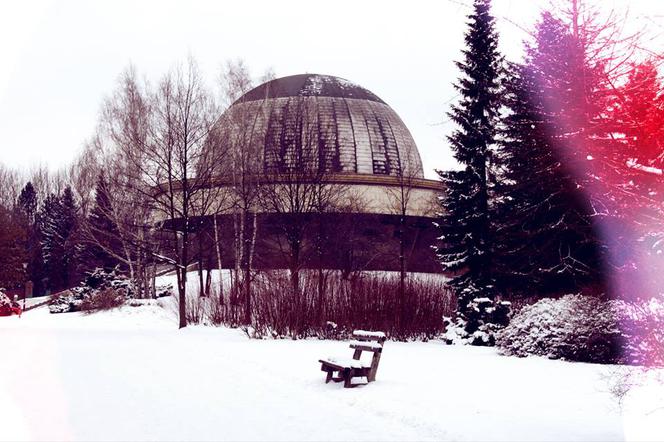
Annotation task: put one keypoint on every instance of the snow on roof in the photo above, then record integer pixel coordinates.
(309, 85)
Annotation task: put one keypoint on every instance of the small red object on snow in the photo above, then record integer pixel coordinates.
(10, 309)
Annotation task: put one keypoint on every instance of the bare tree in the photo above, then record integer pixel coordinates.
(299, 191)
(238, 134)
(82, 173)
(401, 201)
(161, 137)
(238, 130)
(10, 186)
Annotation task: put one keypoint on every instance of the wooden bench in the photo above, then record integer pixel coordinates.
(347, 368)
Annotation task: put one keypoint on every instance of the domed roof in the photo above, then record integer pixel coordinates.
(350, 128)
(309, 85)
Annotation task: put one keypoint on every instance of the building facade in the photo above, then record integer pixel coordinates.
(323, 168)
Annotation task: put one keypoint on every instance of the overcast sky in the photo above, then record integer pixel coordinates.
(60, 58)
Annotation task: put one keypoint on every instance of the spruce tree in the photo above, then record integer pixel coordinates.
(633, 189)
(59, 242)
(465, 227)
(103, 230)
(546, 239)
(27, 203)
(641, 115)
(28, 209)
(12, 249)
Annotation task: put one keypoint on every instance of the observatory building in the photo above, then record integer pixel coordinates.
(309, 133)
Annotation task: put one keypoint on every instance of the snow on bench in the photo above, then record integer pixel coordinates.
(369, 334)
(347, 362)
(367, 344)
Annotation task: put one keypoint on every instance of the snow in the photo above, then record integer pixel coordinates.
(368, 344)
(347, 362)
(369, 334)
(129, 374)
(633, 164)
(30, 302)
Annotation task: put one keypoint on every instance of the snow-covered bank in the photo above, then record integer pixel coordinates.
(129, 374)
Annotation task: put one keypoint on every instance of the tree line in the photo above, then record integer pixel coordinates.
(561, 161)
(171, 182)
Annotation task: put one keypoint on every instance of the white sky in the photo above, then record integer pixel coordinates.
(60, 58)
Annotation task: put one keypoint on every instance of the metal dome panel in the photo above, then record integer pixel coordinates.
(350, 128)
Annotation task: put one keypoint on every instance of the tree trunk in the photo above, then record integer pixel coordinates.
(219, 265)
(182, 281)
(201, 284)
(402, 273)
(248, 252)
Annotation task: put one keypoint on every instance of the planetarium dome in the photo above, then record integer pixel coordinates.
(354, 131)
(283, 134)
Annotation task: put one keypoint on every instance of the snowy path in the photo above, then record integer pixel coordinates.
(129, 374)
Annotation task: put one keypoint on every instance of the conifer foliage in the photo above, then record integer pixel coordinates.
(464, 224)
(60, 247)
(103, 229)
(545, 237)
(28, 209)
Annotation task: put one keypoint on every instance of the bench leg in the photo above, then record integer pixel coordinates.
(375, 360)
(347, 379)
(328, 378)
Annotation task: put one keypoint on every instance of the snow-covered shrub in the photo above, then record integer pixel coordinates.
(6, 304)
(4, 300)
(574, 327)
(62, 302)
(162, 291)
(104, 299)
(332, 331)
(101, 290)
(479, 325)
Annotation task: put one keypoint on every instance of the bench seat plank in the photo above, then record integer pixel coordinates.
(342, 363)
(369, 334)
(366, 345)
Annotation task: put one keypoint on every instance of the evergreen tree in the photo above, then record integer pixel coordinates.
(12, 250)
(466, 243)
(28, 208)
(59, 242)
(546, 238)
(641, 115)
(103, 230)
(27, 203)
(633, 186)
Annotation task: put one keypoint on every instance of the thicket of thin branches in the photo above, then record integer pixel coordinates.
(366, 300)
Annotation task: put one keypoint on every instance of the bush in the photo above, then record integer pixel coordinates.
(101, 290)
(585, 329)
(6, 304)
(366, 300)
(484, 318)
(104, 299)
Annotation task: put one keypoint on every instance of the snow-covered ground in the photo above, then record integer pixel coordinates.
(129, 374)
